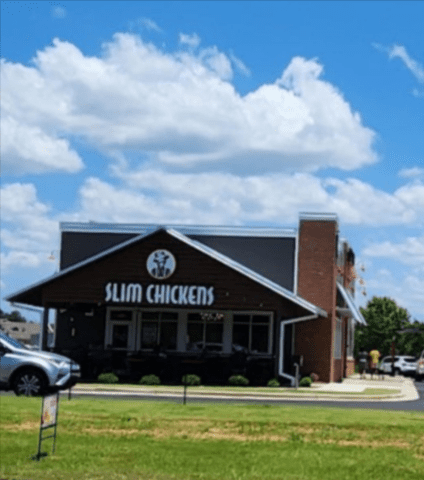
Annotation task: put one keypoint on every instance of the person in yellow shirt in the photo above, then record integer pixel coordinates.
(374, 358)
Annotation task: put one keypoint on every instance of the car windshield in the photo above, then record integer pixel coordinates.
(410, 359)
(11, 341)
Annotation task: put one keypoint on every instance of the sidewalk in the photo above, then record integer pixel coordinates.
(390, 389)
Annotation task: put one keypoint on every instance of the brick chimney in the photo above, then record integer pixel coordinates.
(316, 282)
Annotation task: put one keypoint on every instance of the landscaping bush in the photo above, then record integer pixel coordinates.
(305, 382)
(238, 380)
(149, 380)
(107, 378)
(191, 379)
(273, 383)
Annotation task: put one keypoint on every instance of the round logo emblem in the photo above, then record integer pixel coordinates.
(161, 264)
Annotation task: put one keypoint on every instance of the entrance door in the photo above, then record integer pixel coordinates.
(120, 329)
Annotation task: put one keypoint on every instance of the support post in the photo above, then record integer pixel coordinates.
(45, 328)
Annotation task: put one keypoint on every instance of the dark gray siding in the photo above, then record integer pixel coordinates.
(78, 246)
(271, 257)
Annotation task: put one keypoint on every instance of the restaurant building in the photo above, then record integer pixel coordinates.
(215, 301)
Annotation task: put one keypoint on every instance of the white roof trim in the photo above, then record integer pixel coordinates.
(94, 227)
(200, 247)
(318, 216)
(357, 315)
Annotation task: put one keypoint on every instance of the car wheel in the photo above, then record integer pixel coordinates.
(29, 383)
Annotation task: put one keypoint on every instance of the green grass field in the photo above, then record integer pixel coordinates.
(139, 440)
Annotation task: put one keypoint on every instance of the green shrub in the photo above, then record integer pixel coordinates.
(238, 380)
(273, 383)
(107, 378)
(149, 380)
(191, 379)
(305, 382)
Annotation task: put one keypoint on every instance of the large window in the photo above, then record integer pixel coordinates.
(204, 332)
(252, 332)
(159, 329)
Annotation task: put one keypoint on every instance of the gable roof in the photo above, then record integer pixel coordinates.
(219, 257)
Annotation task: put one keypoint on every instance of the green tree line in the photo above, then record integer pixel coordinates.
(386, 321)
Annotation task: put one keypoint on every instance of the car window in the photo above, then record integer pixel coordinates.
(410, 359)
(11, 341)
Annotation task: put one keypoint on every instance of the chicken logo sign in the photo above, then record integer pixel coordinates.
(161, 264)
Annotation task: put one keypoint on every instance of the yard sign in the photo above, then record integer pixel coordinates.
(49, 411)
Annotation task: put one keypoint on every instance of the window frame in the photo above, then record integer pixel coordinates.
(160, 321)
(110, 323)
(250, 324)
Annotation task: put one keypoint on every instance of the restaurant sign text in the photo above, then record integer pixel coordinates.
(159, 294)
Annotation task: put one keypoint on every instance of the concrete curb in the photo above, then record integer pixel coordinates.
(406, 386)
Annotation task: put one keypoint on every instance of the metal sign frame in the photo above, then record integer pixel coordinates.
(49, 414)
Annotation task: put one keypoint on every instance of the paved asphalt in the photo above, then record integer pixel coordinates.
(414, 405)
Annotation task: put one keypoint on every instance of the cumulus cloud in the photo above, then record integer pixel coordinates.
(28, 233)
(225, 198)
(27, 148)
(179, 109)
(409, 252)
(406, 290)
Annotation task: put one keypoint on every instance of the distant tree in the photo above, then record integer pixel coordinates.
(411, 341)
(385, 319)
(15, 316)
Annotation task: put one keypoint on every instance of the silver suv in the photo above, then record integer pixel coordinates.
(30, 372)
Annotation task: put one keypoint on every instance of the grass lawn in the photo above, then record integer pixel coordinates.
(139, 440)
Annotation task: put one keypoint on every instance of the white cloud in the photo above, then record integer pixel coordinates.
(418, 93)
(405, 290)
(28, 234)
(180, 109)
(29, 149)
(409, 252)
(415, 67)
(398, 51)
(239, 64)
(411, 172)
(232, 199)
(58, 12)
(19, 259)
(144, 23)
(192, 41)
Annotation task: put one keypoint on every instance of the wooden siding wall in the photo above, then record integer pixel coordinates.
(233, 291)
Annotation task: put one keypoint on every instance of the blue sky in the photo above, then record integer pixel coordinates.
(233, 113)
